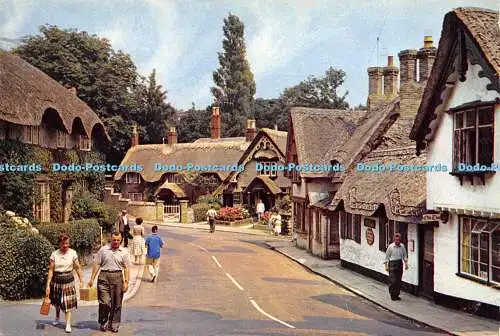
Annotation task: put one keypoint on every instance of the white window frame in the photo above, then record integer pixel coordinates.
(132, 178)
(270, 173)
(62, 138)
(32, 134)
(175, 178)
(135, 196)
(237, 197)
(84, 143)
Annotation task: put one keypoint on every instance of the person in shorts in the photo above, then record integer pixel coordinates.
(154, 244)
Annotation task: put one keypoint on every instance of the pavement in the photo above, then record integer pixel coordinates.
(412, 307)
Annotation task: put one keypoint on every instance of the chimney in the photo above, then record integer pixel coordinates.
(426, 57)
(408, 66)
(72, 90)
(172, 136)
(135, 136)
(275, 127)
(251, 130)
(215, 123)
(374, 86)
(390, 80)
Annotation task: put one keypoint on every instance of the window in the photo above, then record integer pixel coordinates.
(236, 197)
(269, 169)
(41, 208)
(387, 229)
(32, 134)
(350, 226)
(61, 139)
(334, 228)
(132, 178)
(175, 178)
(84, 143)
(298, 215)
(480, 249)
(318, 226)
(473, 136)
(135, 196)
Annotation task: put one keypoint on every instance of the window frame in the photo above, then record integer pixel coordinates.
(351, 227)
(391, 227)
(317, 219)
(133, 196)
(130, 180)
(270, 172)
(237, 197)
(61, 141)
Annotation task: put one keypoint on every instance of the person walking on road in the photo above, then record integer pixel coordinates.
(138, 245)
(123, 227)
(113, 262)
(394, 257)
(61, 282)
(211, 214)
(154, 243)
(260, 209)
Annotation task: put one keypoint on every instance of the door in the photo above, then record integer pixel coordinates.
(310, 227)
(426, 260)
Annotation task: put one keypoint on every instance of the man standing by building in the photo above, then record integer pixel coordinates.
(123, 227)
(211, 214)
(394, 258)
(154, 243)
(113, 261)
(260, 209)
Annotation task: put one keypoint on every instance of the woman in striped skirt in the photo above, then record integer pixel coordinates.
(61, 282)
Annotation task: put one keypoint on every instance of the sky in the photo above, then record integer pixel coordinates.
(286, 40)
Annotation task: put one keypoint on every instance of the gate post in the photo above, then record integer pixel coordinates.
(183, 209)
(159, 210)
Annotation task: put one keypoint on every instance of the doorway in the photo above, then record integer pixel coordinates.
(426, 260)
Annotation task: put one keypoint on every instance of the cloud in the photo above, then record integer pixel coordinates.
(13, 16)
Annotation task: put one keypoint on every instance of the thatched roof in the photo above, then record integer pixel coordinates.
(402, 193)
(267, 182)
(26, 94)
(173, 187)
(203, 153)
(279, 138)
(316, 131)
(481, 33)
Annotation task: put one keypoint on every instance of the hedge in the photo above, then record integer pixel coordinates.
(23, 263)
(84, 234)
(200, 211)
(86, 206)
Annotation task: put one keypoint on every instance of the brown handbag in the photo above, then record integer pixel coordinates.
(45, 308)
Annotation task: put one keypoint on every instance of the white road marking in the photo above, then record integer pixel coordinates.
(200, 247)
(270, 316)
(217, 261)
(234, 281)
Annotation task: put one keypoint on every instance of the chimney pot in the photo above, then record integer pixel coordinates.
(135, 136)
(215, 123)
(275, 127)
(172, 136)
(390, 61)
(428, 42)
(251, 130)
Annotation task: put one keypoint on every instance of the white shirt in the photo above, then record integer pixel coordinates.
(261, 207)
(63, 262)
(125, 220)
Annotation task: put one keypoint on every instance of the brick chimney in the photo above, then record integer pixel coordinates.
(251, 130)
(390, 80)
(374, 86)
(215, 123)
(172, 136)
(135, 136)
(426, 57)
(407, 66)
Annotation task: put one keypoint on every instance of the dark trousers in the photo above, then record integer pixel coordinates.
(211, 221)
(125, 238)
(395, 275)
(110, 296)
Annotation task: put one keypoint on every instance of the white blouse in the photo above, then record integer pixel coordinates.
(63, 262)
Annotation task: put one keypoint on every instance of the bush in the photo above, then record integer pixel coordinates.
(230, 214)
(87, 206)
(200, 211)
(84, 234)
(24, 263)
(209, 199)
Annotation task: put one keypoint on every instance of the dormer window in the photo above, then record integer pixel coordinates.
(133, 178)
(84, 143)
(269, 169)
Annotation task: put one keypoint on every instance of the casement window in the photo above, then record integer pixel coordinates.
(84, 143)
(135, 196)
(473, 136)
(333, 224)
(41, 206)
(236, 197)
(387, 229)
(350, 226)
(480, 249)
(318, 226)
(295, 174)
(299, 215)
(175, 178)
(132, 178)
(61, 139)
(269, 169)
(32, 134)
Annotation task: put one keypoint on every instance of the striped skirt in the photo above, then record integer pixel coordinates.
(63, 291)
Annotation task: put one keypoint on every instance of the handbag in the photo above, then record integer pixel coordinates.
(45, 308)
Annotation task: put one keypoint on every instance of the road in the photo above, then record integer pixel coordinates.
(227, 284)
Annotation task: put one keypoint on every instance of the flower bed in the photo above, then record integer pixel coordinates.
(244, 221)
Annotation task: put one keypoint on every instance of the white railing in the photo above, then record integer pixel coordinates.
(171, 213)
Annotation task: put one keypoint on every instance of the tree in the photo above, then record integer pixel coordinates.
(318, 92)
(153, 114)
(194, 125)
(105, 79)
(235, 85)
(270, 112)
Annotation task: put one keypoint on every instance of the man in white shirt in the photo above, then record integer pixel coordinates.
(394, 257)
(260, 209)
(211, 214)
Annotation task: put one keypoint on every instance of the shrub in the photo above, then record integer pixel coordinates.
(200, 211)
(209, 199)
(230, 214)
(24, 263)
(85, 234)
(87, 206)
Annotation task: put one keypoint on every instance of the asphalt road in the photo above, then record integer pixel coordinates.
(227, 284)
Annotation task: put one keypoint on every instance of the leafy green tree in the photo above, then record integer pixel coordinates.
(318, 92)
(153, 114)
(271, 112)
(193, 125)
(235, 85)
